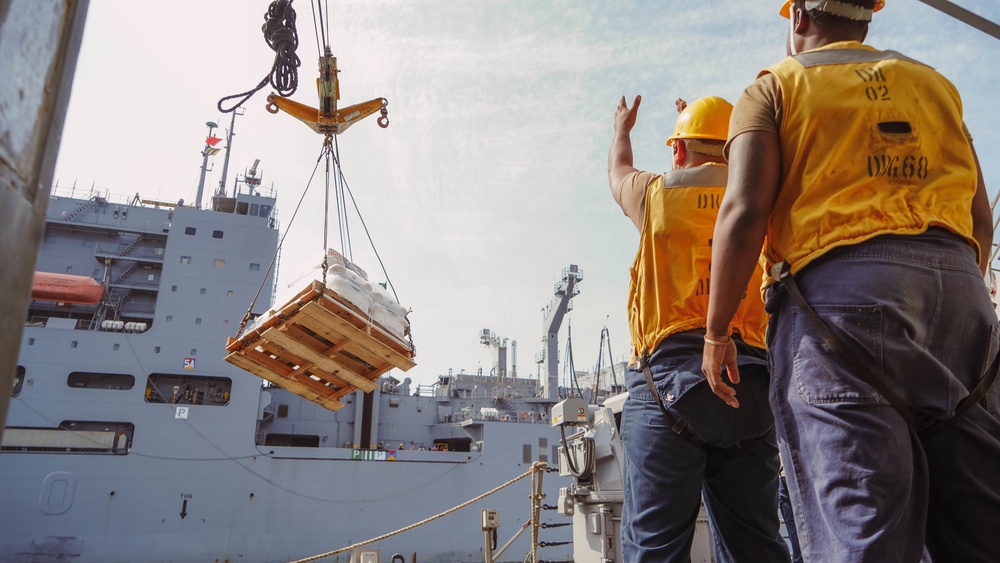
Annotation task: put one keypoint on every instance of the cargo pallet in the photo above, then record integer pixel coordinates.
(320, 347)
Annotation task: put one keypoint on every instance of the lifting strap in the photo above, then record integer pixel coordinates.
(781, 272)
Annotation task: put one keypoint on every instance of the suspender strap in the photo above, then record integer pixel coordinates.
(865, 371)
(678, 425)
(972, 398)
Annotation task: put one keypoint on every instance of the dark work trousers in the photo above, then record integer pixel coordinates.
(864, 486)
(667, 474)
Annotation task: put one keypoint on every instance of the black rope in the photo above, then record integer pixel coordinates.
(279, 32)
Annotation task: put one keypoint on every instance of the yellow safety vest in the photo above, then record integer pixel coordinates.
(671, 272)
(872, 143)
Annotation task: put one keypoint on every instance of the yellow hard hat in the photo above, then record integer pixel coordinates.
(787, 7)
(704, 118)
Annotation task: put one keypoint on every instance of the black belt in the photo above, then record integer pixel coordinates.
(865, 371)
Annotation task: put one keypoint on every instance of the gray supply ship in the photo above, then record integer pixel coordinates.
(130, 438)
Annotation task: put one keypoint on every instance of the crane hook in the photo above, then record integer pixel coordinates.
(383, 121)
(271, 107)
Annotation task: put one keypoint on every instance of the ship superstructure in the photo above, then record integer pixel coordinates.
(129, 437)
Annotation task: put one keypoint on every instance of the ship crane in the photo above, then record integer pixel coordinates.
(965, 16)
(340, 334)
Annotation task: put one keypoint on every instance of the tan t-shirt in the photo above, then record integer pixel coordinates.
(631, 196)
(758, 109)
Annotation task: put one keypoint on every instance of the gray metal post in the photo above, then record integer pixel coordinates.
(37, 36)
(204, 166)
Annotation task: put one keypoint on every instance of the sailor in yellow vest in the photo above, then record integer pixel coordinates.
(682, 444)
(854, 169)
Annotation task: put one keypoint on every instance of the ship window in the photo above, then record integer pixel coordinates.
(156, 349)
(265, 210)
(170, 318)
(116, 346)
(31, 342)
(158, 252)
(197, 321)
(73, 344)
(282, 411)
(190, 230)
(71, 437)
(95, 273)
(89, 380)
(49, 239)
(220, 263)
(87, 243)
(185, 259)
(173, 288)
(253, 209)
(151, 277)
(254, 267)
(188, 389)
(202, 291)
(216, 234)
(292, 440)
(526, 453)
(194, 351)
(19, 382)
(229, 293)
(69, 269)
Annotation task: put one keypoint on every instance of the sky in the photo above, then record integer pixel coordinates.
(491, 178)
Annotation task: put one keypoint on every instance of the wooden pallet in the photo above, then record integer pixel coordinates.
(320, 347)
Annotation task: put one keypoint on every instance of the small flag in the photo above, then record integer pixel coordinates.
(209, 151)
(212, 141)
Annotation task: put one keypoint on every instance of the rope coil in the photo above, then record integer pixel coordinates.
(281, 36)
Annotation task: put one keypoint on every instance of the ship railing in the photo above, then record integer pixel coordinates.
(90, 193)
(492, 379)
(496, 415)
(426, 390)
(145, 254)
(104, 195)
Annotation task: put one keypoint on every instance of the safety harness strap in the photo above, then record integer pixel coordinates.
(782, 274)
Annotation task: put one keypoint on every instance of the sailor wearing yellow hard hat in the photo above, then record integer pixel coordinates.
(679, 440)
(854, 169)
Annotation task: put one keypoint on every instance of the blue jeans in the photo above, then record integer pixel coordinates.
(864, 486)
(785, 508)
(667, 473)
